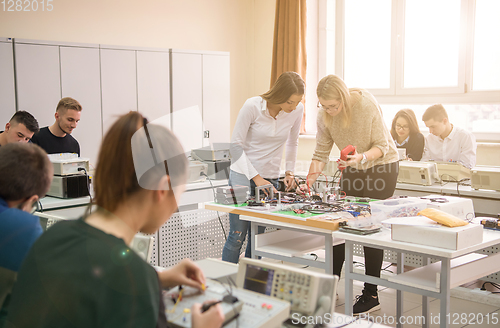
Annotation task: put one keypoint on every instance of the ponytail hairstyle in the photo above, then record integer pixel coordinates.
(135, 155)
(287, 84)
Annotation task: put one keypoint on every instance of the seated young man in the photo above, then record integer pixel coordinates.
(57, 138)
(20, 128)
(447, 142)
(25, 176)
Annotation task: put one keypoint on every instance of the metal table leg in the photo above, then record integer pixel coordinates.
(400, 257)
(329, 254)
(425, 300)
(348, 280)
(444, 290)
(253, 226)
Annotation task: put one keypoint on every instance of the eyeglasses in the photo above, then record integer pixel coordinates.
(328, 107)
(403, 127)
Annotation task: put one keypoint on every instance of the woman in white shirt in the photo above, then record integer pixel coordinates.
(265, 125)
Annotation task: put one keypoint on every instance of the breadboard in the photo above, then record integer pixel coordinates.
(253, 313)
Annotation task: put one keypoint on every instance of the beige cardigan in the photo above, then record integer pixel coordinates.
(367, 130)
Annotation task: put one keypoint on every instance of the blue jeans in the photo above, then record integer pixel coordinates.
(239, 229)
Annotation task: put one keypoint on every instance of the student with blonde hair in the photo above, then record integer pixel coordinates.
(265, 125)
(57, 138)
(82, 273)
(353, 117)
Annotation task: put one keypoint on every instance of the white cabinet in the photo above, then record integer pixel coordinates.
(153, 85)
(38, 79)
(200, 79)
(216, 95)
(187, 91)
(48, 71)
(118, 84)
(80, 79)
(7, 87)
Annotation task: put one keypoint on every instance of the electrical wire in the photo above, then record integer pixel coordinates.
(231, 282)
(321, 208)
(385, 269)
(179, 298)
(356, 264)
(305, 267)
(297, 181)
(459, 183)
(87, 179)
(307, 180)
(337, 176)
(469, 217)
(218, 215)
(40, 207)
(494, 284)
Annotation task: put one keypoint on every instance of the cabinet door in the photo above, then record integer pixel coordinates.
(153, 86)
(216, 108)
(118, 84)
(80, 79)
(38, 80)
(7, 92)
(187, 121)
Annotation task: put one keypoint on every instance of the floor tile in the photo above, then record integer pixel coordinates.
(389, 292)
(458, 309)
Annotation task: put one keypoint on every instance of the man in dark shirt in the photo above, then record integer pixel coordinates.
(57, 138)
(20, 128)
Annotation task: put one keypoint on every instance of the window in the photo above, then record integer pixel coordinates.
(416, 47)
(486, 67)
(431, 50)
(368, 49)
(415, 53)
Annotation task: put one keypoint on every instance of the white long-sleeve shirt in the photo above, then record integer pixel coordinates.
(258, 139)
(459, 146)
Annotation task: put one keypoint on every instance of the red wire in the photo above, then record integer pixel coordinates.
(307, 180)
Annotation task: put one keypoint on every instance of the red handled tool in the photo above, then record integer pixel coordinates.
(349, 150)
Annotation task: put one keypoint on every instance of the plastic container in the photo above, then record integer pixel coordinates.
(229, 195)
(392, 208)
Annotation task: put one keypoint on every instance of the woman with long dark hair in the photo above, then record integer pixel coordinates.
(266, 124)
(406, 134)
